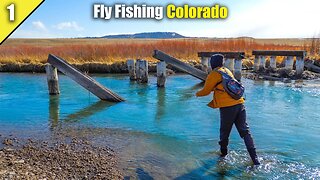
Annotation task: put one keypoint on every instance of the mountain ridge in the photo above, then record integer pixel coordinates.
(146, 35)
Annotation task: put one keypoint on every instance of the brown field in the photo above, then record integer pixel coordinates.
(108, 51)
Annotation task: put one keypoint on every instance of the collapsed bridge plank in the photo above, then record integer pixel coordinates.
(312, 67)
(180, 65)
(84, 80)
(279, 53)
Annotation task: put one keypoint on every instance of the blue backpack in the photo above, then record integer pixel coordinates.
(233, 87)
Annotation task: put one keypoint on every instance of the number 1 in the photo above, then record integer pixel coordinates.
(11, 12)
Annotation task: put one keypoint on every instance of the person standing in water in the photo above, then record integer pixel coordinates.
(232, 111)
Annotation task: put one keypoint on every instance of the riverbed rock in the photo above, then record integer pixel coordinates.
(310, 75)
(75, 160)
(8, 142)
(170, 72)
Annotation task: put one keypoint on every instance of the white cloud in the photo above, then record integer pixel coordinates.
(265, 19)
(285, 18)
(69, 26)
(39, 25)
(20, 33)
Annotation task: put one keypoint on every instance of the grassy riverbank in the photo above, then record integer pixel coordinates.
(108, 51)
(109, 55)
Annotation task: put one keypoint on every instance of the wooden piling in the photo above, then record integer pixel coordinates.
(161, 73)
(137, 64)
(273, 63)
(256, 64)
(205, 64)
(142, 71)
(289, 64)
(131, 69)
(238, 69)
(262, 65)
(84, 80)
(229, 63)
(52, 79)
(299, 66)
(209, 65)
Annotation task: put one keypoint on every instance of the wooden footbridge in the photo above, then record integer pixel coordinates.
(82, 79)
(260, 60)
(138, 70)
(233, 61)
(234, 66)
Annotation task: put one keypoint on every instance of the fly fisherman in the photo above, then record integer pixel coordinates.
(232, 109)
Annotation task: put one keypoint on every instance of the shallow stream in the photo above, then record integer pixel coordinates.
(167, 133)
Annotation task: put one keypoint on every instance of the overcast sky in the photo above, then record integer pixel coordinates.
(254, 18)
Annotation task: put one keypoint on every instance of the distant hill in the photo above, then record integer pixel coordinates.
(149, 35)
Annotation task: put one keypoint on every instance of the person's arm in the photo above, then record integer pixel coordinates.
(211, 82)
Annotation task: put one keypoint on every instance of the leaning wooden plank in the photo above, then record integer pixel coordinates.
(279, 53)
(311, 67)
(84, 80)
(180, 65)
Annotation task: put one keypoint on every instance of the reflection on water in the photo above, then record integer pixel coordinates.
(272, 83)
(88, 111)
(168, 133)
(161, 99)
(54, 111)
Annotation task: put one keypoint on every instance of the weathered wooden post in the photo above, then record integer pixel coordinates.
(209, 65)
(256, 64)
(161, 73)
(205, 64)
(137, 64)
(262, 65)
(52, 78)
(131, 69)
(299, 66)
(142, 71)
(229, 63)
(238, 69)
(273, 63)
(289, 64)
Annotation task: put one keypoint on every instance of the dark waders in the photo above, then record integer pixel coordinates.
(236, 115)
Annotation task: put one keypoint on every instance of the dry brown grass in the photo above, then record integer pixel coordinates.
(35, 51)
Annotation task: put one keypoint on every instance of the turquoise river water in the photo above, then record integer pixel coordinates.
(168, 133)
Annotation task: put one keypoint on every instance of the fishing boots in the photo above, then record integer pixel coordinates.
(224, 152)
(251, 149)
